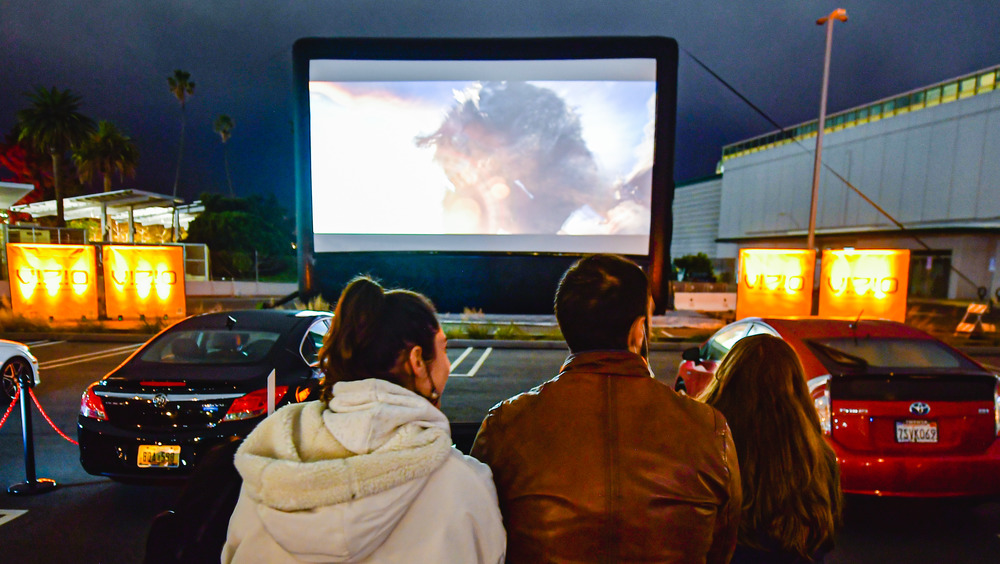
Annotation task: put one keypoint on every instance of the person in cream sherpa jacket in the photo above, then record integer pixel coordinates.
(368, 473)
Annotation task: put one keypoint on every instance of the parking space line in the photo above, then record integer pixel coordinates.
(459, 360)
(477, 365)
(36, 344)
(8, 515)
(87, 357)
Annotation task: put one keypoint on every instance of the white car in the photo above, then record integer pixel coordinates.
(16, 360)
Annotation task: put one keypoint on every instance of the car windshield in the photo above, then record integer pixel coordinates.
(890, 353)
(211, 346)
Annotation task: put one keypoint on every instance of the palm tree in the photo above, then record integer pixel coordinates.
(105, 152)
(181, 87)
(53, 124)
(224, 126)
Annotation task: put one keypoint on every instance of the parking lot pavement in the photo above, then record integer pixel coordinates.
(90, 519)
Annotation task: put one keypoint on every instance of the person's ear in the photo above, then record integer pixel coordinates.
(418, 366)
(637, 335)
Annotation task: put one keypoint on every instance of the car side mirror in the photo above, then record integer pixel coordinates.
(693, 354)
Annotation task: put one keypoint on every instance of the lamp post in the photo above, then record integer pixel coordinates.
(838, 14)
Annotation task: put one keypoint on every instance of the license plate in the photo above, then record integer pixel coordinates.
(159, 456)
(912, 431)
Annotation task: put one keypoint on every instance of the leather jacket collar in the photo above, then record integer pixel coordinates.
(606, 362)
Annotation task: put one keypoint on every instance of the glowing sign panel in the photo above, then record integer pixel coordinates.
(53, 281)
(775, 282)
(144, 281)
(871, 283)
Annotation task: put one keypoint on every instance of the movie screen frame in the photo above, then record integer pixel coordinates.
(660, 182)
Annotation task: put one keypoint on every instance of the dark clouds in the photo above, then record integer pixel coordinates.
(118, 54)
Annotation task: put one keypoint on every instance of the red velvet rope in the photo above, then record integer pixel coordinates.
(46, 416)
(10, 407)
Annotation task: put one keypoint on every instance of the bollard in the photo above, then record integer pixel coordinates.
(31, 485)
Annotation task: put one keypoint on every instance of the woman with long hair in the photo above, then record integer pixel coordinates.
(368, 473)
(791, 486)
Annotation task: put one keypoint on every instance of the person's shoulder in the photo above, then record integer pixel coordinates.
(697, 415)
(522, 401)
(467, 475)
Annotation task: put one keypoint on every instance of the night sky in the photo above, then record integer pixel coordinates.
(117, 55)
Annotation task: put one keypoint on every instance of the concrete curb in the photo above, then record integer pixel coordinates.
(92, 337)
(553, 345)
(675, 346)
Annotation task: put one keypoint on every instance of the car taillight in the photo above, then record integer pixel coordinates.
(91, 405)
(996, 405)
(253, 404)
(819, 389)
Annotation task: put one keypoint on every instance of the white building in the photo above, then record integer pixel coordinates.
(930, 158)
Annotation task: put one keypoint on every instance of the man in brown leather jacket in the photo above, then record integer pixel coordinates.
(603, 463)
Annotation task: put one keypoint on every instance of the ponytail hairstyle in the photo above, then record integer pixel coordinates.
(372, 334)
(791, 485)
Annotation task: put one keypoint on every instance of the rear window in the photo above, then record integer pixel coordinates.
(211, 346)
(890, 353)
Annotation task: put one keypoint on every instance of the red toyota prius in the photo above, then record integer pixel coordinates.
(906, 414)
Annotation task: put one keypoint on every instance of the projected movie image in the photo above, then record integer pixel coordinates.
(467, 165)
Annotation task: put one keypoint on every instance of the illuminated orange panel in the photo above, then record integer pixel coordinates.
(775, 282)
(53, 281)
(144, 281)
(869, 283)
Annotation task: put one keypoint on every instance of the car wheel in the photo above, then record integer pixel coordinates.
(12, 372)
(680, 387)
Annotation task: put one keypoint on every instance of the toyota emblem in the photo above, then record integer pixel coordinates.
(919, 408)
(160, 400)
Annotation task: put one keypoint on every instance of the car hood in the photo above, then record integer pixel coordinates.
(15, 344)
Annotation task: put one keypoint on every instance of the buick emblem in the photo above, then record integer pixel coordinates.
(160, 400)
(919, 408)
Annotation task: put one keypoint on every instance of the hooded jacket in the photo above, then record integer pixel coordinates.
(370, 477)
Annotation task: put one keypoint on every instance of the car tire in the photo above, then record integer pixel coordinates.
(12, 371)
(680, 387)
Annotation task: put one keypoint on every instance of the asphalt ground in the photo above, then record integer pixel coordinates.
(93, 519)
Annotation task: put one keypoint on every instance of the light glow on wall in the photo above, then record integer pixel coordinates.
(144, 281)
(775, 282)
(53, 281)
(871, 283)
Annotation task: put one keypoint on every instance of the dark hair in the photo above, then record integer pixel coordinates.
(791, 487)
(373, 331)
(598, 300)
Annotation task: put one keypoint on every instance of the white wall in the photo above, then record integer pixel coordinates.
(937, 166)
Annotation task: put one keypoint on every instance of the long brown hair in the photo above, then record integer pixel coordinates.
(372, 333)
(791, 489)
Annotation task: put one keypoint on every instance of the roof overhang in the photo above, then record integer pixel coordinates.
(11, 192)
(90, 205)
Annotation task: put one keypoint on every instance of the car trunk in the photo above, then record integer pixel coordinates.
(916, 413)
(155, 405)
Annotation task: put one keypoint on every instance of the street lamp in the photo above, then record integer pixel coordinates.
(838, 14)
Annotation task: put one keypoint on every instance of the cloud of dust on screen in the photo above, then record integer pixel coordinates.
(516, 158)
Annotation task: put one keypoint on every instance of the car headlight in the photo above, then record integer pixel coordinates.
(819, 389)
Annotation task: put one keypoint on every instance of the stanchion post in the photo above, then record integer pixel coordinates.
(31, 485)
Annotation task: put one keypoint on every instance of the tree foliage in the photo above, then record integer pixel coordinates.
(224, 126)
(104, 153)
(26, 165)
(234, 228)
(181, 86)
(695, 268)
(52, 123)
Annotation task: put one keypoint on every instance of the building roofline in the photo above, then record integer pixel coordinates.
(831, 116)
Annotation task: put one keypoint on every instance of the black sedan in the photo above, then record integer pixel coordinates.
(197, 384)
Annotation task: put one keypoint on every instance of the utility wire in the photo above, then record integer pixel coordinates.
(980, 289)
